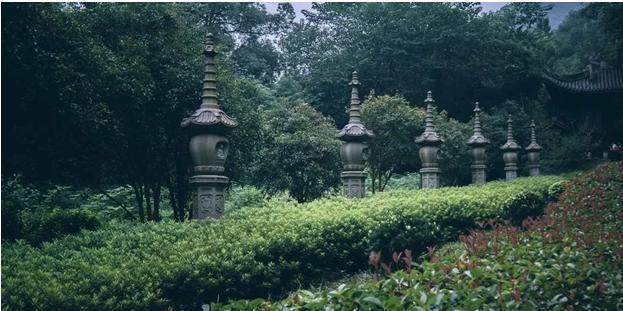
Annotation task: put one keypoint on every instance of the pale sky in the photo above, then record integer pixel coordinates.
(298, 6)
(560, 9)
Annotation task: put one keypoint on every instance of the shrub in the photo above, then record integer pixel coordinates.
(43, 215)
(49, 225)
(244, 197)
(569, 259)
(249, 253)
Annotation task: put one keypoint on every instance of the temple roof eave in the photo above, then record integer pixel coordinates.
(603, 81)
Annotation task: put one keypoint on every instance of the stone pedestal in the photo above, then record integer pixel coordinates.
(510, 166)
(354, 184)
(479, 166)
(208, 196)
(430, 172)
(534, 168)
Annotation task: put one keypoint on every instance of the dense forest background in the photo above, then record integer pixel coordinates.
(93, 94)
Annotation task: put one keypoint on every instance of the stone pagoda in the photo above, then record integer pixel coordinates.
(534, 153)
(429, 143)
(209, 146)
(478, 143)
(510, 150)
(354, 151)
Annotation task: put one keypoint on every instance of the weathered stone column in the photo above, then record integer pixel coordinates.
(209, 145)
(354, 151)
(429, 142)
(478, 143)
(510, 149)
(534, 153)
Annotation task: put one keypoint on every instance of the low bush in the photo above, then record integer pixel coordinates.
(37, 216)
(569, 259)
(252, 252)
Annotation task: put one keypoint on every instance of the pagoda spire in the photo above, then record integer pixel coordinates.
(209, 94)
(209, 113)
(429, 136)
(355, 130)
(354, 112)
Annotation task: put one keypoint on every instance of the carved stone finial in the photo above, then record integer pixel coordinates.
(209, 113)
(354, 113)
(430, 136)
(477, 138)
(510, 144)
(354, 130)
(209, 45)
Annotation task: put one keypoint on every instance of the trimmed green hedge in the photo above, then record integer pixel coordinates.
(253, 252)
(569, 259)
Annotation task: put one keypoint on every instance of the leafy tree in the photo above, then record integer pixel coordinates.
(410, 48)
(454, 154)
(300, 153)
(395, 124)
(593, 30)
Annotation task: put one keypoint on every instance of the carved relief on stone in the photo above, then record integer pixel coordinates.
(206, 205)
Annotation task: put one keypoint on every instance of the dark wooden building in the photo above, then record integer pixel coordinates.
(594, 95)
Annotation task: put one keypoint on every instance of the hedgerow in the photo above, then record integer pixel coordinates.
(252, 252)
(569, 259)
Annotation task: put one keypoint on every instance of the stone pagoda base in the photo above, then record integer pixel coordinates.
(479, 175)
(208, 196)
(354, 184)
(430, 177)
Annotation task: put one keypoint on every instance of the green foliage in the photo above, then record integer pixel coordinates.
(249, 253)
(300, 152)
(244, 197)
(594, 30)
(395, 125)
(454, 153)
(46, 225)
(410, 48)
(402, 182)
(569, 259)
(37, 216)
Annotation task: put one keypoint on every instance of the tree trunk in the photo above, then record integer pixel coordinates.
(147, 195)
(138, 196)
(156, 195)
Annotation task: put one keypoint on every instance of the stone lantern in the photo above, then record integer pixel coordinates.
(209, 145)
(478, 143)
(354, 151)
(510, 149)
(534, 153)
(429, 142)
